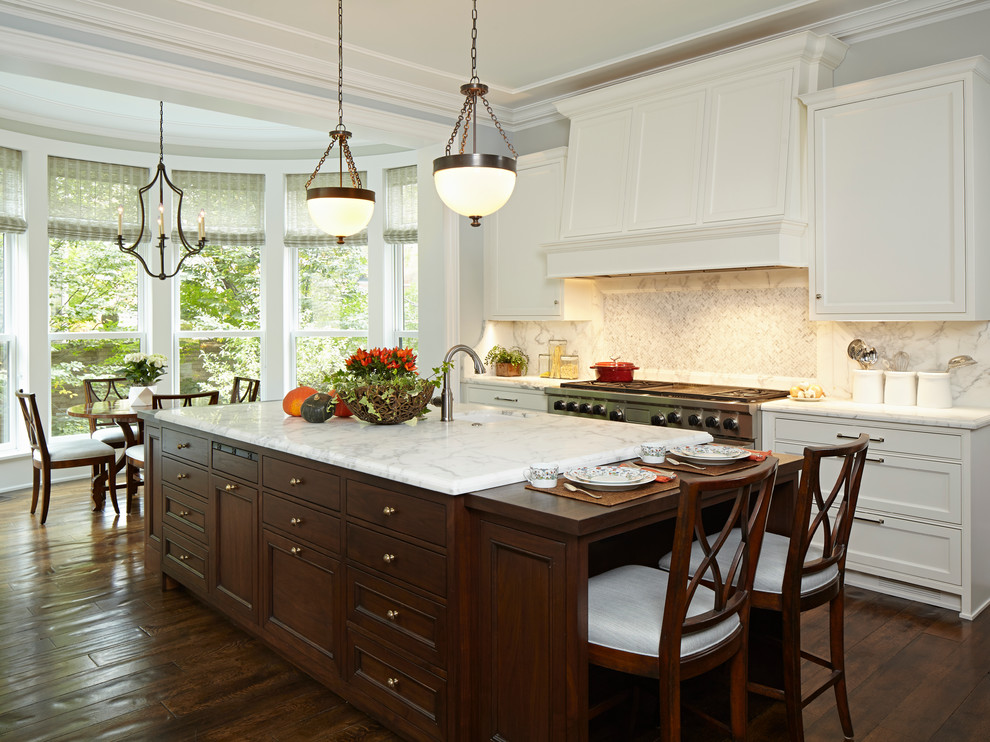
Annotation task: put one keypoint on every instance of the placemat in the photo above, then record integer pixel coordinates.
(710, 470)
(610, 498)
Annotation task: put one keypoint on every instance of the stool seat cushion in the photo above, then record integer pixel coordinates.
(81, 448)
(114, 436)
(135, 454)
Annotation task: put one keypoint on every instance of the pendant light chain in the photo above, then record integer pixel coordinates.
(161, 131)
(340, 65)
(474, 43)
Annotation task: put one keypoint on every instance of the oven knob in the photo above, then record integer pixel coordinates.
(572, 406)
(730, 423)
(559, 404)
(674, 418)
(711, 421)
(616, 415)
(598, 409)
(584, 408)
(694, 420)
(658, 420)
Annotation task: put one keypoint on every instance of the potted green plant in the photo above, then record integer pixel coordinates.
(143, 370)
(507, 361)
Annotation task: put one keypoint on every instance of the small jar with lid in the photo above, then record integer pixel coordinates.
(569, 367)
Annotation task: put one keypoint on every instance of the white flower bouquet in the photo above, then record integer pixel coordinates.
(143, 369)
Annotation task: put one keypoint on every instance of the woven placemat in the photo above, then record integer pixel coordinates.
(712, 470)
(610, 498)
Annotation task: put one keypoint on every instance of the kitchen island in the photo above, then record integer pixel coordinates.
(406, 567)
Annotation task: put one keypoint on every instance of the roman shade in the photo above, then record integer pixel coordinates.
(234, 204)
(83, 198)
(300, 229)
(11, 192)
(401, 206)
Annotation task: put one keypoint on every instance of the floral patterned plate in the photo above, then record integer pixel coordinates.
(710, 453)
(610, 478)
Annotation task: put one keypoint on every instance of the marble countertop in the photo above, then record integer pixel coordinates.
(968, 418)
(482, 447)
(518, 382)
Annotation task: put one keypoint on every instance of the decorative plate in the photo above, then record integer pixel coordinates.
(610, 478)
(709, 453)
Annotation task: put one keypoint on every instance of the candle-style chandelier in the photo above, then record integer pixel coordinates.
(162, 179)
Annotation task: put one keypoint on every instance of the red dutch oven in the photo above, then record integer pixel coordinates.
(614, 370)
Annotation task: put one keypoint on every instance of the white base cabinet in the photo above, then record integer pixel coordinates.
(922, 524)
(504, 395)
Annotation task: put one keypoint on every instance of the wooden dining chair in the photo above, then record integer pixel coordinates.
(46, 456)
(678, 624)
(103, 390)
(134, 455)
(244, 390)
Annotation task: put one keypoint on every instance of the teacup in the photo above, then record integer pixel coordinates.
(653, 453)
(542, 475)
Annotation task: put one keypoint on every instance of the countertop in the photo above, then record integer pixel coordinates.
(518, 382)
(968, 418)
(482, 447)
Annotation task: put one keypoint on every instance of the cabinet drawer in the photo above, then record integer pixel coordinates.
(301, 521)
(521, 399)
(411, 622)
(397, 559)
(416, 696)
(182, 474)
(881, 544)
(184, 559)
(184, 513)
(236, 461)
(401, 513)
(912, 442)
(312, 485)
(189, 447)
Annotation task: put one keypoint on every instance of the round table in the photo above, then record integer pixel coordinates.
(121, 412)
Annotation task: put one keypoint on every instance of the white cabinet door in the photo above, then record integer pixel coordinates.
(665, 166)
(597, 174)
(890, 207)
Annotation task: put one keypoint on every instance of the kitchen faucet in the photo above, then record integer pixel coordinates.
(447, 396)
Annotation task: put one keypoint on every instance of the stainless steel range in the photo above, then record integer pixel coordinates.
(728, 413)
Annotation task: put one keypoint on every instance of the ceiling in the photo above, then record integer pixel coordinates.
(241, 77)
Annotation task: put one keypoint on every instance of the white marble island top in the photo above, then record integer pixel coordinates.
(482, 447)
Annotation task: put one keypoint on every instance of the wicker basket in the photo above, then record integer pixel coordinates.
(394, 407)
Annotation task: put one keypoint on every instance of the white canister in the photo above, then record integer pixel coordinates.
(867, 386)
(934, 390)
(900, 388)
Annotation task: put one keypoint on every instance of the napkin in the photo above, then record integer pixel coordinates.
(758, 455)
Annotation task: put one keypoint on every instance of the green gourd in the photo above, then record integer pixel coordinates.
(317, 408)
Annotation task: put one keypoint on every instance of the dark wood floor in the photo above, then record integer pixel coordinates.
(91, 649)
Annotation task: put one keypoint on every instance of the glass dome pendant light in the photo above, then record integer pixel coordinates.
(472, 184)
(340, 210)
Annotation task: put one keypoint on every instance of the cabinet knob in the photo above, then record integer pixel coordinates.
(230, 487)
(392, 683)
(182, 476)
(295, 550)
(180, 446)
(387, 511)
(183, 557)
(391, 615)
(294, 481)
(183, 513)
(388, 558)
(818, 296)
(295, 521)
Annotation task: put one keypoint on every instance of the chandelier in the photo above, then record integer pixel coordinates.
(340, 210)
(474, 185)
(161, 178)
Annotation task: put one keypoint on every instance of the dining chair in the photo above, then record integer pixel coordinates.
(244, 390)
(103, 390)
(678, 624)
(58, 454)
(134, 455)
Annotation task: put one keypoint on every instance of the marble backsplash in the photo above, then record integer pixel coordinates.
(747, 327)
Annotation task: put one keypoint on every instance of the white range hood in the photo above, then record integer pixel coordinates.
(700, 167)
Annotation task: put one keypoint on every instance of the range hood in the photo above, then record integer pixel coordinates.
(700, 167)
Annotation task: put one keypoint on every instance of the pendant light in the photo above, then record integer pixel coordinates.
(472, 184)
(161, 177)
(340, 210)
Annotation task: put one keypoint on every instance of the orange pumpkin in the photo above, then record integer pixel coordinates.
(292, 402)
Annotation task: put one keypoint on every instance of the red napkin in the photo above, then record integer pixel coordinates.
(758, 455)
(661, 477)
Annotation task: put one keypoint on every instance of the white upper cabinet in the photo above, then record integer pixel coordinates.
(900, 171)
(698, 167)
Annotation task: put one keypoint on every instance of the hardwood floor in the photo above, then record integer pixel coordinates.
(92, 649)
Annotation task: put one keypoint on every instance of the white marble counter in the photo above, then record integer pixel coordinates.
(523, 382)
(969, 418)
(482, 447)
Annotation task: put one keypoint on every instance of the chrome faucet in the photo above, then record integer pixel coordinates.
(447, 396)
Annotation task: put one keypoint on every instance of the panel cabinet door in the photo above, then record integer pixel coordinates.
(665, 167)
(153, 512)
(233, 532)
(596, 174)
(890, 206)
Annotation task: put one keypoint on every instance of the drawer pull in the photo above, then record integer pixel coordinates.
(295, 521)
(183, 513)
(182, 476)
(230, 487)
(183, 557)
(506, 399)
(877, 521)
(388, 558)
(294, 481)
(854, 437)
(180, 446)
(387, 511)
(392, 683)
(876, 459)
(295, 550)
(391, 615)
